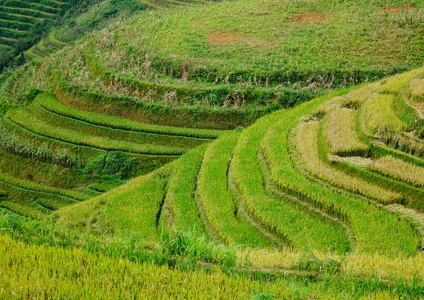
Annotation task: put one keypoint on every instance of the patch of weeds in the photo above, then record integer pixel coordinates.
(309, 262)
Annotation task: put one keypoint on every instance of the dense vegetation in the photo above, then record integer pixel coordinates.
(184, 153)
(28, 29)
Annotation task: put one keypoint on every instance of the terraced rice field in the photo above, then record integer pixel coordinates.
(179, 185)
(273, 187)
(298, 182)
(88, 146)
(17, 18)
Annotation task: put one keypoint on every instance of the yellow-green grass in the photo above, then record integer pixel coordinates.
(25, 201)
(341, 133)
(307, 136)
(23, 209)
(180, 210)
(380, 116)
(29, 10)
(138, 207)
(27, 273)
(250, 41)
(394, 84)
(30, 52)
(43, 6)
(16, 17)
(78, 274)
(364, 265)
(53, 39)
(278, 215)
(403, 211)
(9, 39)
(5, 46)
(351, 100)
(44, 173)
(53, 204)
(50, 103)
(398, 169)
(111, 132)
(32, 186)
(416, 89)
(132, 207)
(376, 232)
(81, 154)
(29, 121)
(220, 208)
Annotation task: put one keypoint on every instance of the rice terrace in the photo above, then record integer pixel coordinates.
(194, 149)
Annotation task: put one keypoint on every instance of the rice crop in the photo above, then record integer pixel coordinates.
(380, 116)
(30, 122)
(416, 89)
(32, 186)
(50, 103)
(307, 135)
(23, 210)
(394, 84)
(341, 134)
(14, 144)
(113, 133)
(398, 169)
(278, 215)
(180, 209)
(370, 229)
(136, 206)
(220, 207)
(83, 275)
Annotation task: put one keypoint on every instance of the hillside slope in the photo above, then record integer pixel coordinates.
(247, 157)
(321, 174)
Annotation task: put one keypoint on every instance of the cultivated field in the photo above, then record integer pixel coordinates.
(220, 167)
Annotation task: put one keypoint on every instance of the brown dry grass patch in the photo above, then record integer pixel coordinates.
(223, 38)
(309, 17)
(397, 9)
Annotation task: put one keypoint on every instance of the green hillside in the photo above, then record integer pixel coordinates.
(250, 149)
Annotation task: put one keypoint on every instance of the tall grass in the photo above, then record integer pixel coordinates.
(394, 84)
(32, 186)
(416, 89)
(13, 144)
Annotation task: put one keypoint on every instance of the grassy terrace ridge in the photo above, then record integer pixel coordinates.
(50, 103)
(180, 211)
(399, 169)
(340, 133)
(27, 120)
(28, 185)
(217, 200)
(135, 136)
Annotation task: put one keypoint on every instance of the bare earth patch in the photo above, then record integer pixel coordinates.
(397, 9)
(309, 17)
(223, 38)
